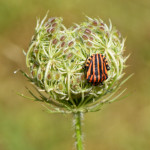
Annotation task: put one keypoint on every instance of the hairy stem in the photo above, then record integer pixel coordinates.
(78, 131)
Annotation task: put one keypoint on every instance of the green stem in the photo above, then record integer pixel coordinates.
(78, 131)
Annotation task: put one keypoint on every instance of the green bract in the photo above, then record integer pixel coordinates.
(56, 58)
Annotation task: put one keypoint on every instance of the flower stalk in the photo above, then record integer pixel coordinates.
(78, 130)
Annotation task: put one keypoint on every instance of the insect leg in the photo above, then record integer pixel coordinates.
(106, 62)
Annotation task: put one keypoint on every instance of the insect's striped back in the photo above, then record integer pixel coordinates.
(96, 67)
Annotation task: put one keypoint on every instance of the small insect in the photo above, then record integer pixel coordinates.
(96, 69)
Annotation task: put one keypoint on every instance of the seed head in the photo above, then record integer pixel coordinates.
(56, 60)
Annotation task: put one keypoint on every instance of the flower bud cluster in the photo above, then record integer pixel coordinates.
(57, 55)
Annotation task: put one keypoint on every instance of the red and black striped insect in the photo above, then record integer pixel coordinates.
(96, 69)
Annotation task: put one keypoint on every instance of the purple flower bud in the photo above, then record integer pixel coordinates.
(54, 24)
(62, 38)
(52, 19)
(47, 25)
(55, 41)
(70, 43)
(48, 30)
(91, 38)
(85, 37)
(52, 30)
(94, 23)
(62, 44)
(87, 31)
(101, 28)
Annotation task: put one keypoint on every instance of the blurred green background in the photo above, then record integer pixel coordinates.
(124, 125)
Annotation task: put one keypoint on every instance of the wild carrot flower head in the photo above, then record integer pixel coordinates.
(56, 57)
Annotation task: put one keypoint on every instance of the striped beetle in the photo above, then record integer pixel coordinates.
(96, 68)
